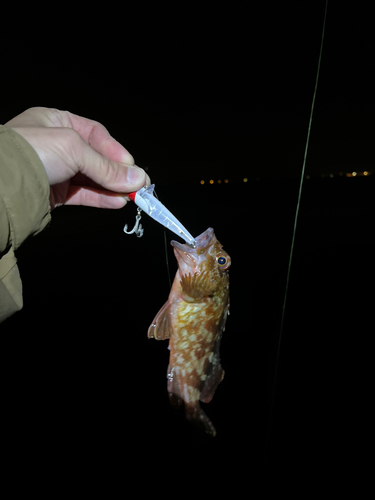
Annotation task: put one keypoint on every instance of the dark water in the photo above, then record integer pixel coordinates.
(82, 383)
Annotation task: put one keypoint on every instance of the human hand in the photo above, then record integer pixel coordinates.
(84, 164)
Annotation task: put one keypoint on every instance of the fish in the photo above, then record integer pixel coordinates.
(194, 319)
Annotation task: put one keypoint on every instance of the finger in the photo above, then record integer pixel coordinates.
(109, 174)
(33, 117)
(92, 197)
(98, 137)
(92, 132)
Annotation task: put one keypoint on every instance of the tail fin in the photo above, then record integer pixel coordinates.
(197, 416)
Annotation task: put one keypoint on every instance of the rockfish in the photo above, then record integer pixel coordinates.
(194, 319)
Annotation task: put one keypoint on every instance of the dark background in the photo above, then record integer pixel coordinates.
(199, 90)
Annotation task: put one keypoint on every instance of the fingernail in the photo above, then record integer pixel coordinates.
(136, 175)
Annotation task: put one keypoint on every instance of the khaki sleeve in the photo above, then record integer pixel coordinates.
(24, 210)
(10, 286)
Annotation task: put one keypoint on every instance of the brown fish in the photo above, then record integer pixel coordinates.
(194, 319)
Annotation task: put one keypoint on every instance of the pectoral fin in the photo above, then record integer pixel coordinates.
(195, 287)
(161, 327)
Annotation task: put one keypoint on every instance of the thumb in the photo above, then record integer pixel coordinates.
(116, 177)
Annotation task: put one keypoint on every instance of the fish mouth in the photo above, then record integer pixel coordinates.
(202, 241)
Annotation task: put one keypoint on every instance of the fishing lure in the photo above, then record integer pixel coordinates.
(146, 201)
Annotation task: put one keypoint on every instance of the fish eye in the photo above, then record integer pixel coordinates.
(223, 261)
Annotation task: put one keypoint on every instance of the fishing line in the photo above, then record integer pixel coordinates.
(294, 236)
(166, 258)
(166, 251)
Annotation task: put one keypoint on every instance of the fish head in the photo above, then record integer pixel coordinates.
(207, 257)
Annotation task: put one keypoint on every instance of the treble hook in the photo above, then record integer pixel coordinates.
(137, 229)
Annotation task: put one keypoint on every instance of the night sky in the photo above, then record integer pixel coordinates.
(200, 90)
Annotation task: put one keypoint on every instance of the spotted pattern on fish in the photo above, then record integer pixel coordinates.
(194, 319)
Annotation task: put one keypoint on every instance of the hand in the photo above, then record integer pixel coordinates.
(84, 164)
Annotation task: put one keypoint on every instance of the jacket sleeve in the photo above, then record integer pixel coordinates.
(24, 210)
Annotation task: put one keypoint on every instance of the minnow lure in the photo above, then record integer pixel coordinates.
(193, 319)
(145, 200)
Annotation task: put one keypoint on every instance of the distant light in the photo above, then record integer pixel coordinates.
(202, 181)
(354, 174)
(219, 181)
(245, 179)
(365, 172)
(226, 181)
(211, 181)
(307, 176)
(331, 176)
